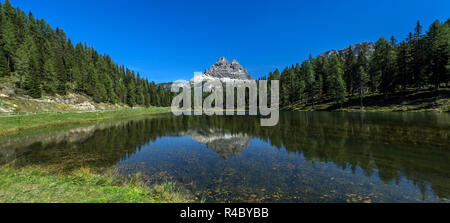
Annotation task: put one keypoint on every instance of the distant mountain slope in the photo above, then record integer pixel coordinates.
(355, 48)
(224, 71)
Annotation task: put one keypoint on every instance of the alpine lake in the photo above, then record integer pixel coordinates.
(312, 157)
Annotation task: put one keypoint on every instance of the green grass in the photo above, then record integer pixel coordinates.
(37, 186)
(14, 123)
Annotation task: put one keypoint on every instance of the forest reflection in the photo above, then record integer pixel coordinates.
(391, 146)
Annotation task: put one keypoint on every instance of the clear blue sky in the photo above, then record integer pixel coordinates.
(169, 40)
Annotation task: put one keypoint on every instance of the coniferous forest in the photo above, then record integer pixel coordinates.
(369, 123)
(45, 62)
(420, 61)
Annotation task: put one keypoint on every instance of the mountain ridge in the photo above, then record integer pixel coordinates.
(356, 49)
(224, 71)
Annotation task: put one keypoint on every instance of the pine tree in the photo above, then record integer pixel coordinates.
(405, 61)
(320, 71)
(337, 83)
(49, 79)
(438, 53)
(4, 67)
(310, 81)
(350, 71)
(35, 88)
(100, 94)
(131, 94)
(384, 66)
(9, 33)
(26, 65)
(110, 94)
(362, 76)
(275, 75)
(416, 45)
(91, 80)
(22, 65)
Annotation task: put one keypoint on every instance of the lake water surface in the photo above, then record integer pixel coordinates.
(308, 157)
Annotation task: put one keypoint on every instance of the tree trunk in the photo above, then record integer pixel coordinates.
(362, 105)
(361, 93)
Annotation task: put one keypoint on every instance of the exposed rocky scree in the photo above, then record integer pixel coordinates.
(224, 71)
(11, 101)
(355, 48)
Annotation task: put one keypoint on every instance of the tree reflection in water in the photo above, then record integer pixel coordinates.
(308, 157)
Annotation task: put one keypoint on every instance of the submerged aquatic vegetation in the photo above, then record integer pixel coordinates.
(309, 157)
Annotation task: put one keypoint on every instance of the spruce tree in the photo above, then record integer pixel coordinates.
(337, 83)
(9, 33)
(438, 53)
(350, 71)
(416, 45)
(405, 61)
(384, 66)
(131, 94)
(310, 82)
(362, 76)
(35, 88)
(4, 67)
(49, 79)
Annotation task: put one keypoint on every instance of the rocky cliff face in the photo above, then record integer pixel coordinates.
(224, 71)
(355, 48)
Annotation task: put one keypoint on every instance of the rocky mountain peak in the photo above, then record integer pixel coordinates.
(223, 60)
(224, 70)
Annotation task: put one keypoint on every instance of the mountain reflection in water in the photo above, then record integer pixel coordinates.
(224, 144)
(308, 157)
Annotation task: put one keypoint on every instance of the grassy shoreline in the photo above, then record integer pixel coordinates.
(14, 123)
(32, 185)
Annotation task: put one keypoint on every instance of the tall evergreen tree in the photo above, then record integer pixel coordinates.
(131, 95)
(9, 33)
(405, 61)
(362, 76)
(337, 84)
(384, 66)
(350, 70)
(416, 45)
(49, 77)
(4, 67)
(438, 42)
(310, 81)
